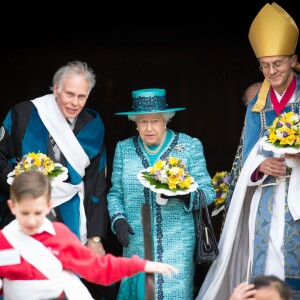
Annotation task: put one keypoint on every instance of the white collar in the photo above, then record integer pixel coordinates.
(47, 226)
(279, 97)
(72, 122)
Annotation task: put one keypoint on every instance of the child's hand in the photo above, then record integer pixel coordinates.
(243, 291)
(158, 267)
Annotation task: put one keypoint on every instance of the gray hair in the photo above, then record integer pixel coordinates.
(167, 116)
(78, 68)
(251, 91)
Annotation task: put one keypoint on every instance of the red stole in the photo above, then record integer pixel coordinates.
(279, 106)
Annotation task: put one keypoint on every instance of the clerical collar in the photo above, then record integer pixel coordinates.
(279, 95)
(279, 105)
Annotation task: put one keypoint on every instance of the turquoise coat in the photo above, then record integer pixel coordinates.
(173, 232)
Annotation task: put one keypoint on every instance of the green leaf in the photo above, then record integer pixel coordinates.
(159, 185)
(277, 144)
(55, 172)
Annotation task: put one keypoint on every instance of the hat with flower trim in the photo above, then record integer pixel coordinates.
(149, 101)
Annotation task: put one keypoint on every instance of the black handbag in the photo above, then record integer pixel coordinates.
(206, 247)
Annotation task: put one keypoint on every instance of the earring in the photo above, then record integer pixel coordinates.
(137, 129)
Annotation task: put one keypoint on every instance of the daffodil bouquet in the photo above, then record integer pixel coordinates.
(40, 162)
(170, 174)
(220, 183)
(285, 130)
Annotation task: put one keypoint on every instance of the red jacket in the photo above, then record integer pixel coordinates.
(74, 256)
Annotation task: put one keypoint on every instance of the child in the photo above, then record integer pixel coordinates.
(39, 259)
(262, 287)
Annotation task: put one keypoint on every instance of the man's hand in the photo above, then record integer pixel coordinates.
(273, 166)
(96, 247)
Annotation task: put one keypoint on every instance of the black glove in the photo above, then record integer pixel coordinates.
(122, 229)
(184, 198)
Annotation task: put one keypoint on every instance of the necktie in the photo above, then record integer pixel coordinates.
(56, 154)
(56, 150)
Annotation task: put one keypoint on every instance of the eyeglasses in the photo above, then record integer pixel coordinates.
(264, 67)
(144, 123)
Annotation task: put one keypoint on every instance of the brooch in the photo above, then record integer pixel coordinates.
(179, 148)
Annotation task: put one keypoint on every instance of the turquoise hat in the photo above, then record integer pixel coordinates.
(149, 101)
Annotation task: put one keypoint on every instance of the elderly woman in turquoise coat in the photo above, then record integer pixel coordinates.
(172, 223)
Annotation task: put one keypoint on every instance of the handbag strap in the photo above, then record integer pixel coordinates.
(198, 217)
(198, 214)
(206, 211)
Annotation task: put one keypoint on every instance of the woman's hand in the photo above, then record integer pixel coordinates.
(123, 230)
(185, 198)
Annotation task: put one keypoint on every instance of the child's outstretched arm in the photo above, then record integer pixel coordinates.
(158, 267)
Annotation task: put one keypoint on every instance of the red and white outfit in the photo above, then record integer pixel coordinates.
(42, 266)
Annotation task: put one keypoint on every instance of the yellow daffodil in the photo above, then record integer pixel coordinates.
(220, 182)
(38, 161)
(170, 173)
(285, 130)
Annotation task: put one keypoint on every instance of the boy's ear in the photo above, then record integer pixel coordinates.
(11, 205)
(49, 204)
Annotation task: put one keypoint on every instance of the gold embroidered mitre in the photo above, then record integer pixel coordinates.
(273, 32)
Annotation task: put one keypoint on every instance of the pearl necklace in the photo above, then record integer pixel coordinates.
(154, 152)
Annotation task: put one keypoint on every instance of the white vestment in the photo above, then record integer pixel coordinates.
(234, 261)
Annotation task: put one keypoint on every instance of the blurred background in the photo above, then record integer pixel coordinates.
(198, 52)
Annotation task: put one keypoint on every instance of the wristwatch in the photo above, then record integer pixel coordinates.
(96, 239)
